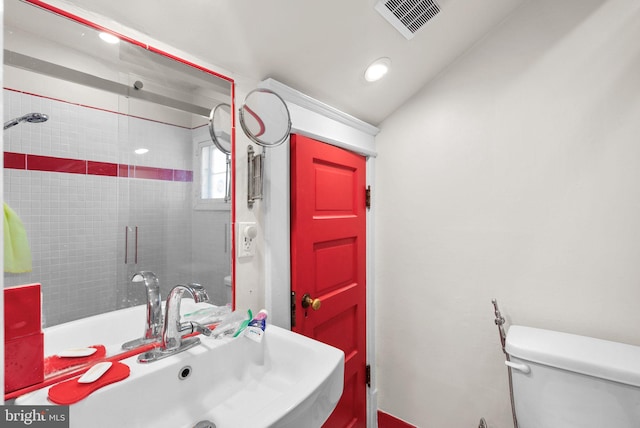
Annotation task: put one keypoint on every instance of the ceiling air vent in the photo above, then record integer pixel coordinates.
(408, 16)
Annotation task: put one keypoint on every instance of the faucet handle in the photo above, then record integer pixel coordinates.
(199, 292)
(194, 327)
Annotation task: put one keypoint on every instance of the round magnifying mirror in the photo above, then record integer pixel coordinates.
(264, 118)
(220, 127)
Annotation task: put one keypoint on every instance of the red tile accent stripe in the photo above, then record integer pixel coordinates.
(182, 175)
(386, 420)
(15, 160)
(123, 170)
(146, 172)
(49, 163)
(102, 168)
(78, 166)
(165, 174)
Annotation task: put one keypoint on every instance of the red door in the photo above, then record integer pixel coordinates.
(328, 227)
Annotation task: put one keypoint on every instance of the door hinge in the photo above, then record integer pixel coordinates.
(368, 375)
(293, 309)
(367, 197)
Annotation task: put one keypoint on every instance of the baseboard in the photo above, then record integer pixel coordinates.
(386, 420)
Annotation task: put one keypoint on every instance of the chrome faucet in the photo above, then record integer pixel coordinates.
(153, 324)
(173, 330)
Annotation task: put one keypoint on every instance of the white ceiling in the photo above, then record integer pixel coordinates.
(320, 48)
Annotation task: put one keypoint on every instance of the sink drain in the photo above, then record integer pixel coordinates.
(184, 373)
(205, 424)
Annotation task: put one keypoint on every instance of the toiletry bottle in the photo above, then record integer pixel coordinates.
(255, 329)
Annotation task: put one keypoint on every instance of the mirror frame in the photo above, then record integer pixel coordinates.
(80, 20)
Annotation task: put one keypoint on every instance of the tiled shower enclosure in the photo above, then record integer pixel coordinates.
(95, 212)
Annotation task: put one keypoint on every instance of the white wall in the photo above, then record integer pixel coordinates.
(514, 175)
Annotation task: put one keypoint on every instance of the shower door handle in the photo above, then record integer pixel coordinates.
(135, 258)
(127, 229)
(126, 245)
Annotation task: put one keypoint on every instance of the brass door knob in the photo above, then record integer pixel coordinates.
(308, 301)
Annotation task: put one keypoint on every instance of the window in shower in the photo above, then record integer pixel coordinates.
(213, 177)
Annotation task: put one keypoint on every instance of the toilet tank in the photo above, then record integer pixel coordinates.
(563, 380)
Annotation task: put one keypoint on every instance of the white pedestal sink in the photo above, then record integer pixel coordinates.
(286, 381)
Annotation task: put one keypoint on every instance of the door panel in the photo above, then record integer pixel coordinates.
(328, 253)
(334, 263)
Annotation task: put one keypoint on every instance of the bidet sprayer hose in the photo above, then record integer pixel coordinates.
(503, 338)
(500, 323)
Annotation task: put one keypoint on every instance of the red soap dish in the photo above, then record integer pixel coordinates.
(70, 391)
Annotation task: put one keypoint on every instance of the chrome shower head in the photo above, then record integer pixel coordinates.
(29, 117)
(35, 117)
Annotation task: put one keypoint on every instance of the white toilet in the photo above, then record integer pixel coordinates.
(566, 381)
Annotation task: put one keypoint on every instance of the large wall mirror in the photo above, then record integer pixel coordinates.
(122, 177)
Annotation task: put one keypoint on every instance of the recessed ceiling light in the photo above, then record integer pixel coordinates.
(377, 69)
(109, 38)
(141, 151)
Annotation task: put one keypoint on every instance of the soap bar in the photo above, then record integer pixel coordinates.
(95, 372)
(77, 352)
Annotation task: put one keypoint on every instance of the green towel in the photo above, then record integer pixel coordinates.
(17, 255)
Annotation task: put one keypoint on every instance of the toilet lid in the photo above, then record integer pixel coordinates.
(580, 354)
